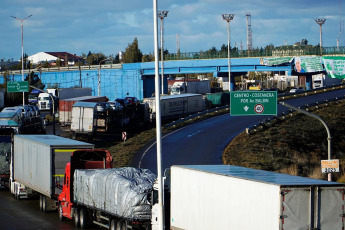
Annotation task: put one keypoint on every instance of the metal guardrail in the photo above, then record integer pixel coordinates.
(67, 68)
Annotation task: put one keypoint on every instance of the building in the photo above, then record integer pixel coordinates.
(52, 58)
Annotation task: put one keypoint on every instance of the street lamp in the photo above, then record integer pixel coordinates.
(228, 18)
(162, 14)
(99, 77)
(21, 22)
(320, 22)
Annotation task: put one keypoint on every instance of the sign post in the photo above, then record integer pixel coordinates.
(243, 103)
(124, 136)
(17, 86)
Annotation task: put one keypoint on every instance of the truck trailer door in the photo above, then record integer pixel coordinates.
(312, 207)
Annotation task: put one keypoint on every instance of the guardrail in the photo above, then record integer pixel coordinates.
(67, 68)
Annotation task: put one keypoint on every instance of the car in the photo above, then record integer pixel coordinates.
(102, 107)
(35, 109)
(115, 105)
(296, 90)
(25, 111)
(131, 101)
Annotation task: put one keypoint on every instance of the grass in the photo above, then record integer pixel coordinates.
(294, 145)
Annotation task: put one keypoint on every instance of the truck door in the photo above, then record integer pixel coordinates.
(313, 207)
(59, 161)
(331, 208)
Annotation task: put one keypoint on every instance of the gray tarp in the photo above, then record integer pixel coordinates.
(121, 191)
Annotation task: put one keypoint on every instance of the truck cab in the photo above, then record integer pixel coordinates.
(80, 159)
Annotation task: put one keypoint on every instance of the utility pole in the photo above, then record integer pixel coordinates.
(21, 22)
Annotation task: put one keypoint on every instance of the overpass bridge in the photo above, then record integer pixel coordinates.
(137, 79)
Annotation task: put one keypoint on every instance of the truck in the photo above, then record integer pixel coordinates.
(199, 87)
(221, 197)
(45, 99)
(176, 106)
(65, 107)
(38, 163)
(117, 198)
(6, 139)
(321, 80)
(33, 97)
(85, 119)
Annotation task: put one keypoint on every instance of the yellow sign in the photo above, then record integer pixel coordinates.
(328, 166)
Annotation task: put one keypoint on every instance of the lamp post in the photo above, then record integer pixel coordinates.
(160, 211)
(228, 18)
(320, 22)
(99, 77)
(162, 14)
(21, 22)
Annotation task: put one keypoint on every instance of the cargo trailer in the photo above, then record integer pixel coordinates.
(232, 197)
(176, 106)
(38, 165)
(65, 107)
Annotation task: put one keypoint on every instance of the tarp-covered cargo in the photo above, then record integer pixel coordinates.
(122, 191)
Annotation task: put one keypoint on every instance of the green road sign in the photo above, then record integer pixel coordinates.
(17, 86)
(244, 103)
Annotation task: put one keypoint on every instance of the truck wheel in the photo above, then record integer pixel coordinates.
(76, 218)
(83, 219)
(113, 225)
(44, 204)
(41, 203)
(61, 217)
(123, 225)
(119, 225)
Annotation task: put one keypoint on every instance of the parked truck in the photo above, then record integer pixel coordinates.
(182, 87)
(321, 80)
(112, 198)
(176, 106)
(38, 165)
(45, 99)
(65, 107)
(232, 197)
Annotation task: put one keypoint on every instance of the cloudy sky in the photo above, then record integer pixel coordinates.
(108, 26)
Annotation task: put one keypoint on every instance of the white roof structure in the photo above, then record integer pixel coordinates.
(42, 57)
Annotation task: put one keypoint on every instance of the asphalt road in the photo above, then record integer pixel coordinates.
(204, 142)
(200, 143)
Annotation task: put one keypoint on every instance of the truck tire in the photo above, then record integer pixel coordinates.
(41, 203)
(61, 217)
(123, 225)
(83, 217)
(44, 204)
(76, 218)
(113, 225)
(118, 225)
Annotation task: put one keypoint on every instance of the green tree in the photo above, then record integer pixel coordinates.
(133, 53)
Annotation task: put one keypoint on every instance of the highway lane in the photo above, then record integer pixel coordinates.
(204, 141)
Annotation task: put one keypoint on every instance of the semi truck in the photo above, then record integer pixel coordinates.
(45, 99)
(65, 107)
(38, 163)
(321, 80)
(182, 87)
(176, 106)
(118, 198)
(221, 197)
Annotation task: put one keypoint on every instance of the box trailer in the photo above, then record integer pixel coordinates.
(65, 107)
(176, 106)
(232, 197)
(38, 165)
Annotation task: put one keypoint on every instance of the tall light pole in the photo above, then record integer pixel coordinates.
(21, 22)
(162, 14)
(228, 18)
(320, 22)
(160, 210)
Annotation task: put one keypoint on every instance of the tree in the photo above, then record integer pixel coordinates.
(133, 53)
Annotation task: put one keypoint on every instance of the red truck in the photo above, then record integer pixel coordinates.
(80, 159)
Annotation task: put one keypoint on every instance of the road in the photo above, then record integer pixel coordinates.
(204, 142)
(200, 143)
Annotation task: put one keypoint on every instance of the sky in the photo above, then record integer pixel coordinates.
(109, 26)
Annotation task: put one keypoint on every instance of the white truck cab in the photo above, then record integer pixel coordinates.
(45, 101)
